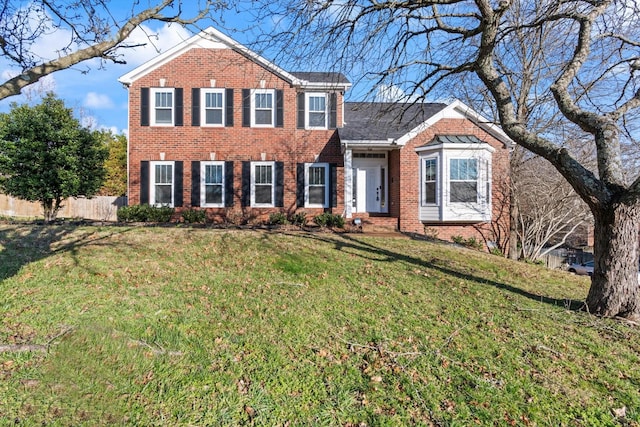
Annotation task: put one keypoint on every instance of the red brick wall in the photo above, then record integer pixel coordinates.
(409, 182)
(187, 143)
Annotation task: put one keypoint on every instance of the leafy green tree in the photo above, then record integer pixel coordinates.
(46, 156)
(115, 183)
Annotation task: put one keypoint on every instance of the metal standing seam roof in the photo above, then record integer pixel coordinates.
(321, 77)
(381, 121)
(455, 139)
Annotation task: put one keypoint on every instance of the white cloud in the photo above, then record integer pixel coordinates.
(155, 42)
(97, 100)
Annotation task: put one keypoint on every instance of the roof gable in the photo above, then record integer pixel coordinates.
(211, 38)
(398, 123)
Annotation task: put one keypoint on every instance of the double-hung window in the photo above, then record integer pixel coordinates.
(316, 110)
(163, 106)
(262, 184)
(463, 180)
(212, 184)
(262, 107)
(212, 107)
(317, 183)
(162, 181)
(430, 183)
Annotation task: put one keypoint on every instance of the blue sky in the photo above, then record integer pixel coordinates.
(91, 88)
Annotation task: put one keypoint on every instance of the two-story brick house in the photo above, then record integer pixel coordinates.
(215, 126)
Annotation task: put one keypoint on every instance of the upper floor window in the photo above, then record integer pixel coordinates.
(212, 185)
(317, 110)
(463, 180)
(213, 108)
(262, 107)
(163, 106)
(162, 181)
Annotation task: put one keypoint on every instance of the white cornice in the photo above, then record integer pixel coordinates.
(457, 110)
(209, 38)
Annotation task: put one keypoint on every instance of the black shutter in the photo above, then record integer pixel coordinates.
(228, 104)
(195, 183)
(177, 185)
(228, 184)
(246, 184)
(144, 106)
(301, 110)
(333, 185)
(179, 107)
(279, 190)
(195, 106)
(246, 108)
(279, 108)
(333, 110)
(300, 185)
(144, 182)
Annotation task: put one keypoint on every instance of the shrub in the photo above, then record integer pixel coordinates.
(194, 216)
(145, 213)
(299, 218)
(471, 242)
(327, 219)
(278, 218)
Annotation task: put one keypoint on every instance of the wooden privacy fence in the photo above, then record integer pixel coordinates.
(100, 208)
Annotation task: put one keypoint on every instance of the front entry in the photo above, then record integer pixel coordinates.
(370, 183)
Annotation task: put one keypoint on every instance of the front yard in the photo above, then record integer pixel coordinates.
(180, 326)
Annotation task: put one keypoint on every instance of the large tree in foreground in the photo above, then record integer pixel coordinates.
(46, 156)
(86, 29)
(586, 74)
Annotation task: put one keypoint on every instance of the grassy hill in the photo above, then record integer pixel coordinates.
(179, 326)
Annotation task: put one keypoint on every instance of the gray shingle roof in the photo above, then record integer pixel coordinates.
(378, 121)
(321, 77)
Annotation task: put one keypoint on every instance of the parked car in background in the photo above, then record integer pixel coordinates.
(586, 268)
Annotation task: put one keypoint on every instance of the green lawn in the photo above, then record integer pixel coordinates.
(178, 326)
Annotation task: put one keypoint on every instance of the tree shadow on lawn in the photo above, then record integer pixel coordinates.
(23, 244)
(346, 241)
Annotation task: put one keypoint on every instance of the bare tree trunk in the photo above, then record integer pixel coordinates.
(514, 253)
(614, 284)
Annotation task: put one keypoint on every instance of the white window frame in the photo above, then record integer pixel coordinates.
(154, 107)
(152, 182)
(477, 181)
(203, 184)
(253, 184)
(307, 185)
(203, 106)
(437, 181)
(308, 111)
(255, 92)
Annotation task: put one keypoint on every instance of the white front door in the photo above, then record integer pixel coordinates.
(369, 190)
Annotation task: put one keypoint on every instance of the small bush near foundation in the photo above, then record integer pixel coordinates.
(278, 218)
(194, 216)
(471, 242)
(145, 213)
(329, 220)
(299, 218)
